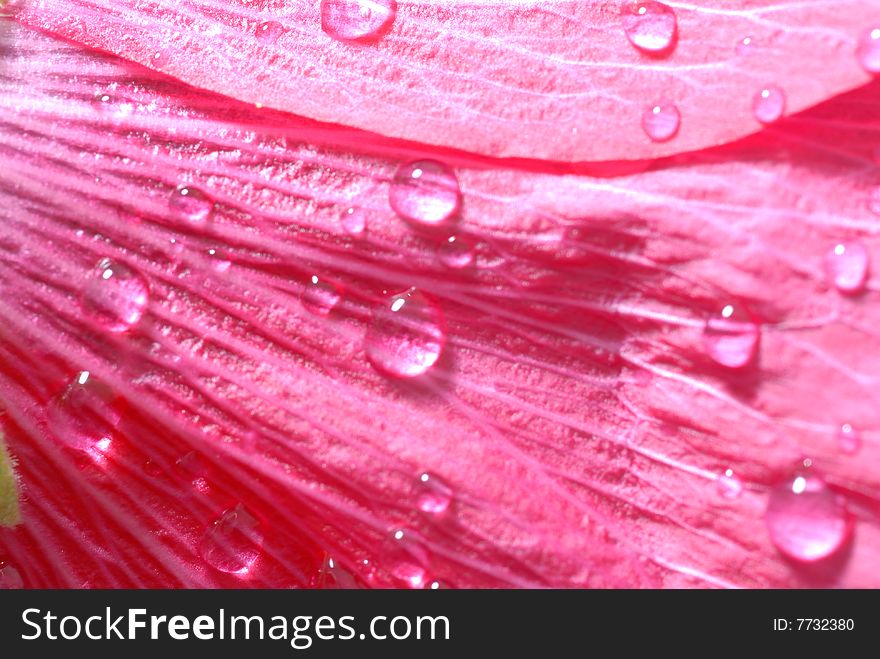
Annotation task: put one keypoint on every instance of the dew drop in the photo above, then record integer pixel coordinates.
(114, 296)
(352, 20)
(661, 121)
(849, 439)
(456, 253)
(732, 337)
(406, 559)
(354, 221)
(332, 575)
(729, 485)
(218, 262)
(406, 335)
(868, 50)
(269, 32)
(10, 578)
(847, 267)
(425, 192)
(650, 26)
(434, 496)
(321, 296)
(233, 542)
(159, 58)
(102, 101)
(191, 204)
(745, 46)
(806, 520)
(768, 105)
(85, 415)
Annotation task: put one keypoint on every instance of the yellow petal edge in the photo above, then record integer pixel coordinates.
(9, 511)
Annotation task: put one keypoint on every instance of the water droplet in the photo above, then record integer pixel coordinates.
(350, 20)
(729, 485)
(732, 337)
(434, 495)
(159, 58)
(321, 296)
(10, 578)
(849, 439)
(269, 32)
(332, 575)
(650, 26)
(102, 101)
(807, 521)
(406, 559)
(84, 416)
(354, 221)
(868, 50)
(847, 266)
(456, 253)
(425, 192)
(114, 296)
(191, 204)
(406, 336)
(745, 46)
(233, 542)
(768, 105)
(661, 121)
(219, 263)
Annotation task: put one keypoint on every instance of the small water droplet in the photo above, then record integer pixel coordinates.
(745, 46)
(661, 121)
(807, 521)
(85, 415)
(321, 296)
(102, 101)
(218, 262)
(425, 192)
(351, 20)
(868, 50)
(233, 542)
(650, 26)
(269, 32)
(456, 253)
(10, 578)
(732, 337)
(768, 105)
(729, 485)
(114, 296)
(191, 204)
(847, 266)
(849, 439)
(406, 336)
(434, 494)
(331, 575)
(406, 559)
(160, 58)
(354, 221)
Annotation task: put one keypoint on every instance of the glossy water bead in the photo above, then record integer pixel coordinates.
(190, 204)
(868, 50)
(320, 295)
(425, 192)
(406, 336)
(233, 542)
(433, 494)
(650, 26)
(268, 32)
(114, 296)
(732, 337)
(847, 266)
(768, 104)
(661, 121)
(85, 414)
(352, 20)
(806, 520)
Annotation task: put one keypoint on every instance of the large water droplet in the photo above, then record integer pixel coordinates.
(233, 542)
(10, 578)
(269, 32)
(350, 20)
(868, 50)
(434, 496)
(732, 337)
(406, 336)
(191, 205)
(849, 439)
(661, 121)
(425, 192)
(847, 266)
(114, 296)
(729, 485)
(354, 221)
(768, 105)
(321, 296)
(807, 521)
(84, 416)
(456, 253)
(649, 26)
(406, 559)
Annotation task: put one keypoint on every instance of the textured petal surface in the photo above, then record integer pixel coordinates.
(550, 80)
(575, 417)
